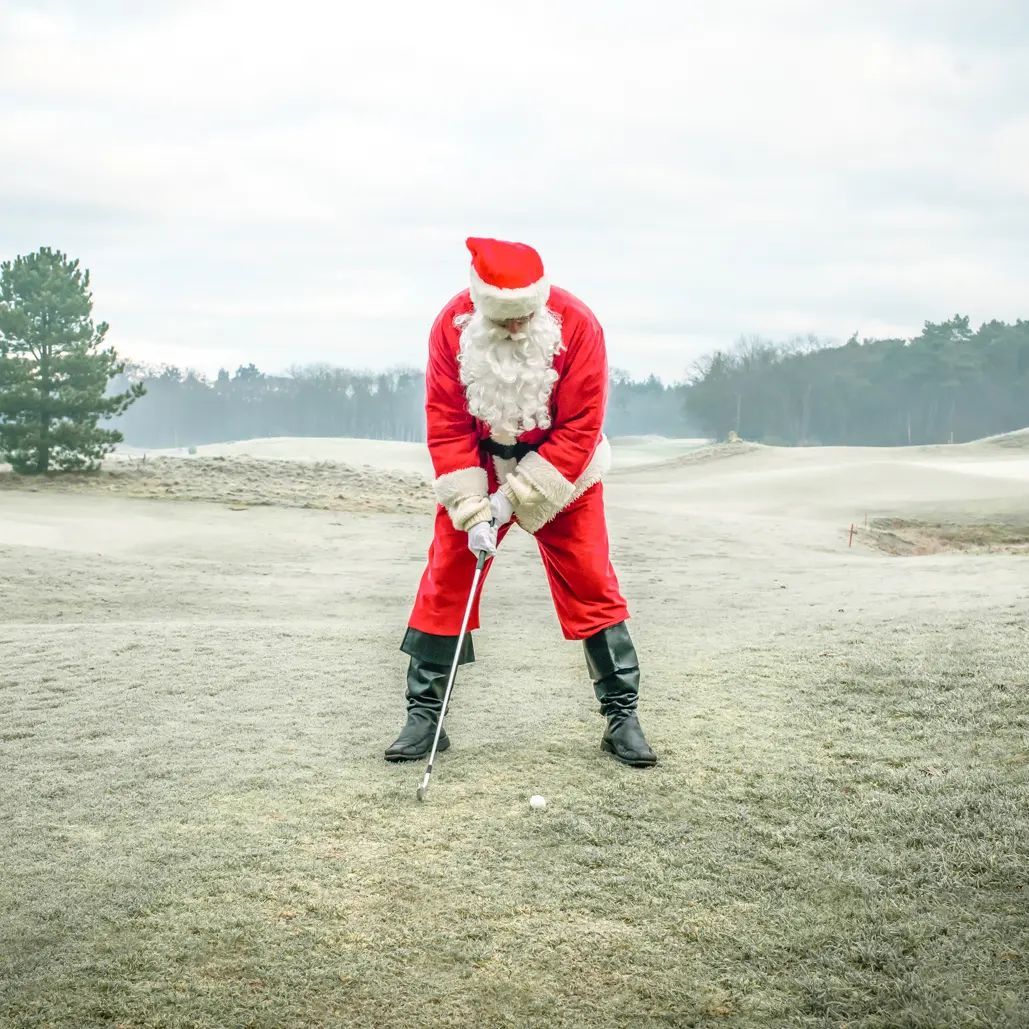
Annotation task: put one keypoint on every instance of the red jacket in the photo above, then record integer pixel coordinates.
(573, 453)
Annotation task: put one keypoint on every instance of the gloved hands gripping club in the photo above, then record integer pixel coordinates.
(501, 508)
(482, 537)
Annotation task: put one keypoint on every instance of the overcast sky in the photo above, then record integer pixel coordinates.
(293, 182)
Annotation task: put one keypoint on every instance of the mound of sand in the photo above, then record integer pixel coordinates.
(933, 498)
(635, 451)
(1017, 440)
(383, 455)
(246, 481)
(670, 467)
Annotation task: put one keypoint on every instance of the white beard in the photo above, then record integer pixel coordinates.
(508, 379)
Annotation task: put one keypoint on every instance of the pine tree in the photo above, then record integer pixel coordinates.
(53, 372)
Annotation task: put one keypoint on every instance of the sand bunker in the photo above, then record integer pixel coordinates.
(246, 482)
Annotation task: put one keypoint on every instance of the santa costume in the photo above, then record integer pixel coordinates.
(516, 389)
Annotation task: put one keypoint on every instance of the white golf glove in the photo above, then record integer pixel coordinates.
(483, 536)
(501, 508)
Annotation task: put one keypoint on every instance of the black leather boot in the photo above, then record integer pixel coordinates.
(427, 674)
(426, 685)
(614, 669)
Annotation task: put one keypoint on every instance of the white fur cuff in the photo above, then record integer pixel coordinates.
(464, 494)
(532, 508)
(466, 482)
(542, 479)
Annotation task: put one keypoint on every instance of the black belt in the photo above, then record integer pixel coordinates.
(508, 450)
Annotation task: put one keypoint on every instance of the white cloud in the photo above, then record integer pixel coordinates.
(249, 181)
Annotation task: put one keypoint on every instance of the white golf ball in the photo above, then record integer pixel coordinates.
(537, 801)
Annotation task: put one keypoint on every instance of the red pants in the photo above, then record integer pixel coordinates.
(574, 548)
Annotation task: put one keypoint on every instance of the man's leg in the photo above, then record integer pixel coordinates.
(431, 636)
(590, 607)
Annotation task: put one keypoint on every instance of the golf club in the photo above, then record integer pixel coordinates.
(480, 564)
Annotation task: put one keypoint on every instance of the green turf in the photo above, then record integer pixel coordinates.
(833, 838)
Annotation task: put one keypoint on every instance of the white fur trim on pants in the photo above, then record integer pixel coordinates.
(539, 492)
(464, 494)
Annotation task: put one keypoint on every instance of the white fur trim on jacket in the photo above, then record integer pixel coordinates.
(464, 494)
(499, 304)
(539, 492)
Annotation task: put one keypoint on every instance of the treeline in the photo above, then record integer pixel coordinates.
(643, 407)
(949, 384)
(182, 408)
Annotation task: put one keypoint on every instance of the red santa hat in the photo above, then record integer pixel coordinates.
(507, 279)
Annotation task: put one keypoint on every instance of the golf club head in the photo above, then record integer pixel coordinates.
(420, 793)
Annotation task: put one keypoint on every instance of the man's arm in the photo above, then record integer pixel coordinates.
(548, 476)
(460, 485)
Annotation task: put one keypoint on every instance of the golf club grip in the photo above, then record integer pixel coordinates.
(483, 555)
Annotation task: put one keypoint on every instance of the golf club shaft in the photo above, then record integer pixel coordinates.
(480, 564)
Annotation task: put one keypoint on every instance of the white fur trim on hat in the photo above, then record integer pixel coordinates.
(499, 304)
